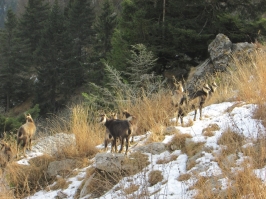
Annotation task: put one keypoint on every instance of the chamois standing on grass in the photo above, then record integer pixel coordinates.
(109, 138)
(193, 102)
(25, 134)
(119, 129)
(133, 121)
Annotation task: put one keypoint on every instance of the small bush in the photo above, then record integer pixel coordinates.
(232, 140)
(178, 141)
(209, 130)
(155, 177)
(184, 177)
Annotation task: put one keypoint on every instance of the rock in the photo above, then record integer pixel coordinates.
(84, 190)
(61, 167)
(221, 50)
(153, 148)
(116, 162)
(51, 144)
(61, 195)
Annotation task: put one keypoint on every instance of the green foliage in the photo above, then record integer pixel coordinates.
(50, 60)
(15, 81)
(117, 90)
(33, 21)
(11, 124)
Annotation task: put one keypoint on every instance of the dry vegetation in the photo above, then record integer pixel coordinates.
(245, 82)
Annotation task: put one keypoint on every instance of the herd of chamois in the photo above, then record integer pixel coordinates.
(120, 129)
(184, 102)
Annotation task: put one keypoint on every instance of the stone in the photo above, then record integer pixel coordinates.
(61, 167)
(153, 148)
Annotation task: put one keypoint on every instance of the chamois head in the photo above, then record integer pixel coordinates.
(28, 118)
(206, 88)
(114, 116)
(103, 118)
(126, 113)
(214, 86)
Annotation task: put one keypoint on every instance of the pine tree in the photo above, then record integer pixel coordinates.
(50, 55)
(80, 21)
(33, 21)
(15, 79)
(104, 27)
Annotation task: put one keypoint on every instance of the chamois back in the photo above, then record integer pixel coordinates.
(25, 134)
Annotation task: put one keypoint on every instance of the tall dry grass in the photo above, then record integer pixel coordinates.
(88, 132)
(244, 81)
(153, 113)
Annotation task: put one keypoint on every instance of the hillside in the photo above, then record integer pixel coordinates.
(207, 165)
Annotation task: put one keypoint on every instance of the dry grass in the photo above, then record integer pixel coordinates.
(61, 183)
(88, 132)
(209, 130)
(184, 177)
(25, 179)
(131, 189)
(192, 148)
(232, 141)
(178, 142)
(153, 113)
(166, 160)
(260, 113)
(154, 177)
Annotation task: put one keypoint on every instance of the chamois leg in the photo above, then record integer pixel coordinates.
(115, 143)
(195, 115)
(122, 145)
(18, 142)
(200, 110)
(127, 143)
(105, 144)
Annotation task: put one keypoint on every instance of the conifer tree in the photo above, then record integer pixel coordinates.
(50, 55)
(15, 79)
(104, 27)
(33, 21)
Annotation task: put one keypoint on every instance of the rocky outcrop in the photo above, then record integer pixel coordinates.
(221, 50)
(153, 148)
(51, 144)
(62, 167)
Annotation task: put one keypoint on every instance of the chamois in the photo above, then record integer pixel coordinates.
(178, 94)
(133, 121)
(119, 129)
(108, 137)
(193, 102)
(25, 134)
(6, 150)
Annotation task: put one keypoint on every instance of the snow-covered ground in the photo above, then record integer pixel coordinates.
(227, 114)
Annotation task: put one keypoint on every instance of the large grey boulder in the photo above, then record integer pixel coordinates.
(51, 144)
(221, 50)
(153, 148)
(62, 167)
(116, 162)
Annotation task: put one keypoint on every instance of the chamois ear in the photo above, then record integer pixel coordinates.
(206, 88)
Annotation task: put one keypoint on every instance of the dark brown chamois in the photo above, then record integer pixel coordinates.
(133, 121)
(119, 129)
(108, 138)
(25, 134)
